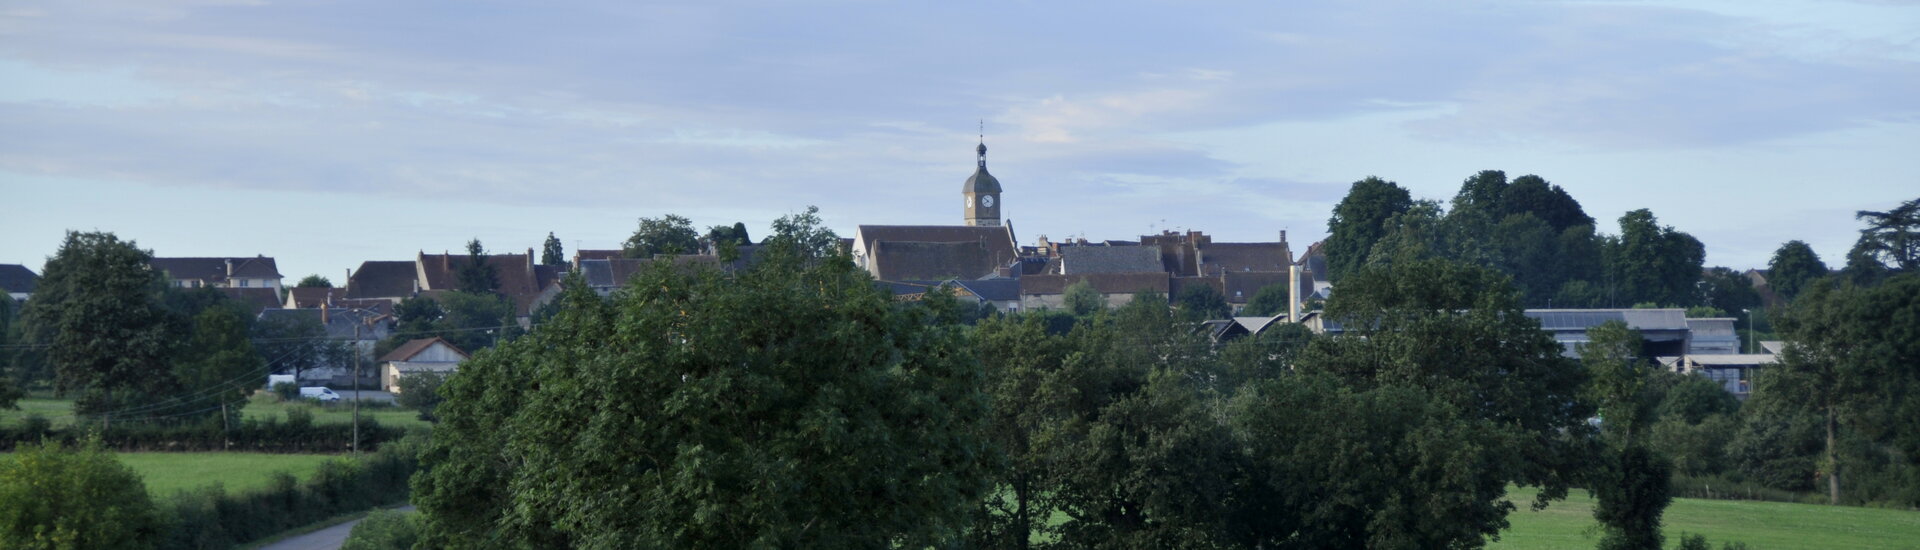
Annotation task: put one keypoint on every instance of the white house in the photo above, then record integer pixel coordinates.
(423, 355)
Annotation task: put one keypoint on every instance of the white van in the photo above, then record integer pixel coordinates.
(319, 393)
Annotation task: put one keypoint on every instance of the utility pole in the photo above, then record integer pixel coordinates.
(356, 387)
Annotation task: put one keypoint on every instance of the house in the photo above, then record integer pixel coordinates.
(17, 281)
(521, 280)
(1002, 294)
(255, 272)
(316, 297)
(1712, 336)
(417, 356)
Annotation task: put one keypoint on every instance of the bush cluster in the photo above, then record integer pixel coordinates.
(296, 434)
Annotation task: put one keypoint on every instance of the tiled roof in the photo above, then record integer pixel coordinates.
(1078, 260)
(17, 278)
(1106, 283)
(583, 255)
(614, 272)
(216, 269)
(383, 279)
(518, 281)
(258, 298)
(1223, 257)
(408, 350)
(1178, 285)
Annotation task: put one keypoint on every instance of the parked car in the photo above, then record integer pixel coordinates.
(319, 393)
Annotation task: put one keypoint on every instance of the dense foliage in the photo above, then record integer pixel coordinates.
(57, 498)
(788, 405)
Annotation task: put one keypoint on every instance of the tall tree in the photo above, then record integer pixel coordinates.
(551, 253)
(1631, 483)
(477, 274)
(1650, 263)
(1448, 388)
(735, 234)
(790, 405)
(1531, 194)
(220, 364)
(1080, 298)
(314, 281)
(1849, 358)
(1269, 300)
(1019, 359)
(98, 308)
(1359, 221)
(669, 234)
(1728, 290)
(1894, 235)
(1793, 266)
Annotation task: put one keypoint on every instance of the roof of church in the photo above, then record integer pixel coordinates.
(908, 260)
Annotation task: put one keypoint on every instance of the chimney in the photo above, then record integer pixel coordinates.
(323, 313)
(1283, 235)
(229, 267)
(1293, 293)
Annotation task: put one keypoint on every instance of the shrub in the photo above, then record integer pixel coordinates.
(287, 391)
(213, 518)
(384, 530)
(52, 497)
(421, 392)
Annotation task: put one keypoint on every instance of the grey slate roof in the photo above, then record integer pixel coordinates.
(1225, 257)
(216, 269)
(17, 278)
(1564, 320)
(1078, 260)
(993, 290)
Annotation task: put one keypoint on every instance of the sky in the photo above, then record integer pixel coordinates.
(325, 134)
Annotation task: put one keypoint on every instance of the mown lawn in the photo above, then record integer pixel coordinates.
(60, 412)
(1762, 525)
(166, 473)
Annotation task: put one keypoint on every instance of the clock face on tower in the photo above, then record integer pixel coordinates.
(987, 201)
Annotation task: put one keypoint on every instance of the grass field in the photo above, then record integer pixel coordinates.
(1762, 525)
(166, 473)
(60, 412)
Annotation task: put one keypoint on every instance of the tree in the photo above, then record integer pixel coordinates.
(1445, 385)
(1631, 486)
(1728, 290)
(1651, 263)
(1793, 266)
(1531, 194)
(54, 498)
(10, 393)
(669, 234)
(220, 366)
(1081, 299)
(1269, 300)
(1864, 267)
(788, 405)
(805, 234)
(1359, 221)
(1202, 302)
(468, 320)
(292, 345)
(98, 309)
(477, 274)
(551, 253)
(1849, 359)
(735, 234)
(314, 281)
(421, 392)
(1018, 359)
(1893, 235)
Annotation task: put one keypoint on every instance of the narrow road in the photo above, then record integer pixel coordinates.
(325, 539)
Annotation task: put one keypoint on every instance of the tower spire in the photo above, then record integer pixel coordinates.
(982, 149)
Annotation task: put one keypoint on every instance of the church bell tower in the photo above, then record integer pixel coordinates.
(982, 193)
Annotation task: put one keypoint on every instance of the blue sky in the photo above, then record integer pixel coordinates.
(328, 133)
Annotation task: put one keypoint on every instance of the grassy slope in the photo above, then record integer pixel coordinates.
(166, 473)
(60, 410)
(1762, 525)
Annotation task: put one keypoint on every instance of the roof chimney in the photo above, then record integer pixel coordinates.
(323, 313)
(229, 267)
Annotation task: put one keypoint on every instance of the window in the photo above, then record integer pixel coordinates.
(245, 283)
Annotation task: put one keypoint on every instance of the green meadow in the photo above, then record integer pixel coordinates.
(1569, 524)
